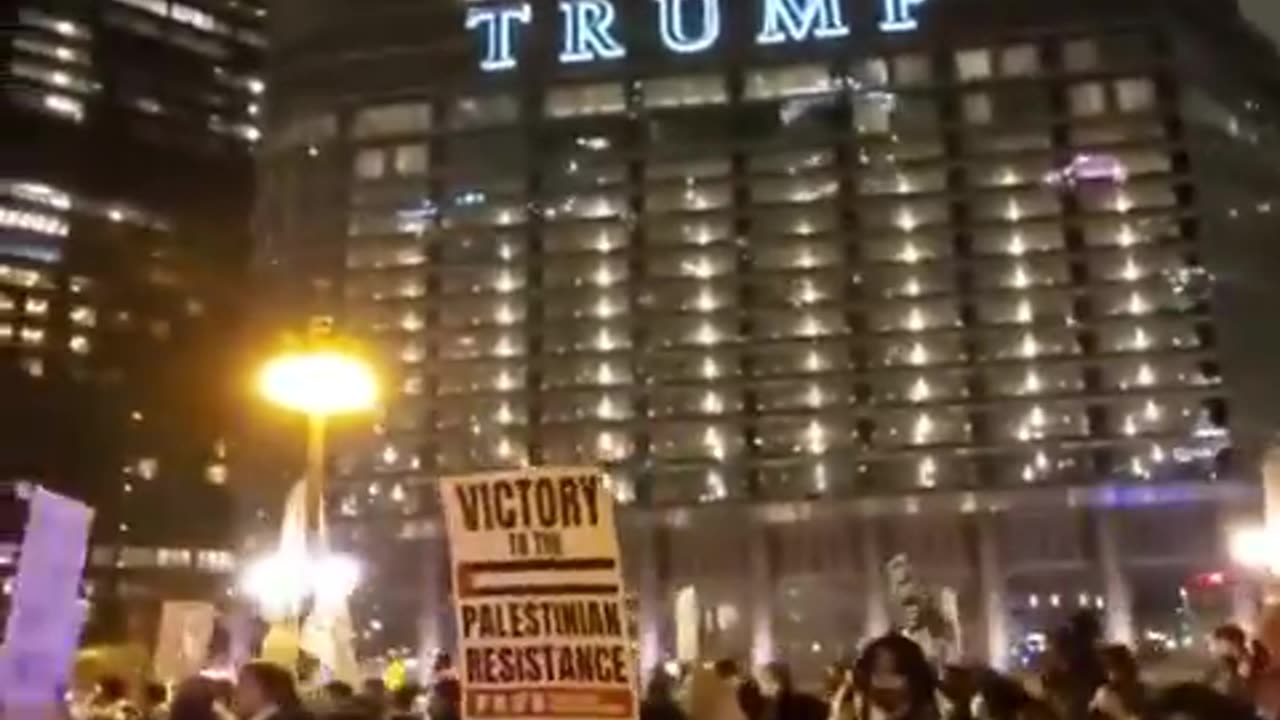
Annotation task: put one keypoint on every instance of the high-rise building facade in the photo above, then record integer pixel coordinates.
(819, 282)
(126, 173)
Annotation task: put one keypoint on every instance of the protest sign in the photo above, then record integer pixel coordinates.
(538, 595)
(43, 628)
(183, 644)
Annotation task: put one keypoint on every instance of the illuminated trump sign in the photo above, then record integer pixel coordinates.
(589, 28)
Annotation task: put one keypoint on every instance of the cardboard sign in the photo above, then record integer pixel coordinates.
(183, 645)
(43, 628)
(537, 583)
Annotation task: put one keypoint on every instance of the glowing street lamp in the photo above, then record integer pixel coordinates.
(320, 382)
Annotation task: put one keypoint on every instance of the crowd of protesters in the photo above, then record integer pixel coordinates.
(263, 691)
(1078, 677)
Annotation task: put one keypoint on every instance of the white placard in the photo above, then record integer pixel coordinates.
(538, 594)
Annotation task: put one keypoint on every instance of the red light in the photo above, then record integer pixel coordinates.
(1211, 579)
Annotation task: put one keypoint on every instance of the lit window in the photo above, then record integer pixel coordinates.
(973, 65)
(926, 473)
(400, 119)
(595, 99)
(147, 468)
(37, 306)
(683, 91)
(411, 160)
(216, 474)
(1135, 94)
(64, 105)
(978, 109)
(1088, 99)
(914, 69)
(1078, 55)
(79, 344)
(790, 81)
(370, 163)
(1020, 61)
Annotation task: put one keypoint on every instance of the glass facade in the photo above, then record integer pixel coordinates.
(794, 302)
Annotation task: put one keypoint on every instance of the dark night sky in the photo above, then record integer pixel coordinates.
(1266, 13)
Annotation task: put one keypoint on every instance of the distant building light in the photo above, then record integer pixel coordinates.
(64, 105)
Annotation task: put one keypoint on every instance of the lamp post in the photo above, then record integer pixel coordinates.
(320, 381)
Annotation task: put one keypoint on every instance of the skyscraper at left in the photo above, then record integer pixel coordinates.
(127, 130)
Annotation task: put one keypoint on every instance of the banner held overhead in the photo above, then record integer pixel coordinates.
(538, 594)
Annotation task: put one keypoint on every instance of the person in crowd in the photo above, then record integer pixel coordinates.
(1002, 698)
(1230, 670)
(110, 700)
(198, 698)
(267, 692)
(842, 692)
(659, 701)
(895, 681)
(445, 700)
(751, 699)
(402, 702)
(1071, 671)
(711, 693)
(782, 700)
(958, 687)
(1123, 696)
(1198, 701)
(155, 698)
(373, 696)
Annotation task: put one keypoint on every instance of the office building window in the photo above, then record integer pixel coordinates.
(1020, 61)
(399, 119)
(1135, 94)
(869, 73)
(972, 65)
(1088, 99)
(411, 159)
(977, 109)
(791, 81)
(1080, 55)
(370, 163)
(483, 111)
(684, 91)
(575, 100)
(914, 69)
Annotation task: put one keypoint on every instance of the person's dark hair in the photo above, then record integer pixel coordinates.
(1199, 702)
(1002, 697)
(403, 697)
(726, 667)
(909, 660)
(750, 699)
(194, 699)
(1118, 661)
(1231, 633)
(781, 675)
(1259, 658)
(339, 690)
(155, 694)
(276, 683)
(373, 687)
(443, 661)
(112, 688)
(661, 686)
(449, 690)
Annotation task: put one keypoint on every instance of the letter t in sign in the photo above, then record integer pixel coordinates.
(499, 27)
